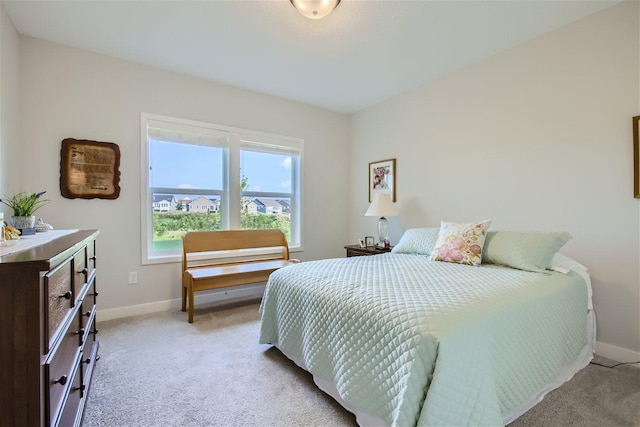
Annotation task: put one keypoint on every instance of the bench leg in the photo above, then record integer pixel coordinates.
(190, 305)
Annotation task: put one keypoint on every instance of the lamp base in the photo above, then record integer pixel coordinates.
(382, 230)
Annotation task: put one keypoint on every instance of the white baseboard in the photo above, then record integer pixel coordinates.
(222, 295)
(618, 354)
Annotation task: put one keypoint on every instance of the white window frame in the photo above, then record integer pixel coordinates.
(230, 195)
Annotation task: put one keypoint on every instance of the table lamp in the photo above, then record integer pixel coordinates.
(382, 206)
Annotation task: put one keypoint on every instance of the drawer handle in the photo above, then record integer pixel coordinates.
(81, 388)
(67, 295)
(93, 258)
(62, 380)
(84, 271)
(79, 332)
(87, 361)
(95, 294)
(87, 314)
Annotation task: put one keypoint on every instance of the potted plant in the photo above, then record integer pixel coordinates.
(24, 205)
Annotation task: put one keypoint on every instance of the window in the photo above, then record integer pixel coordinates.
(201, 176)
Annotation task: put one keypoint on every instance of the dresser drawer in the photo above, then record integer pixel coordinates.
(59, 368)
(72, 405)
(60, 301)
(88, 319)
(91, 258)
(80, 272)
(89, 298)
(79, 389)
(89, 352)
(88, 322)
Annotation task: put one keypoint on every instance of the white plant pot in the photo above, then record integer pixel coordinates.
(23, 221)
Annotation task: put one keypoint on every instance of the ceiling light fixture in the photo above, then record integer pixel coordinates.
(315, 9)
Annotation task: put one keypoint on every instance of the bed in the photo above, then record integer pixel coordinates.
(400, 339)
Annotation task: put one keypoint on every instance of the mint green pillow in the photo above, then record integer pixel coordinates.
(530, 251)
(417, 241)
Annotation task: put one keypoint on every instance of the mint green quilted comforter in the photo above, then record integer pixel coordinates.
(419, 342)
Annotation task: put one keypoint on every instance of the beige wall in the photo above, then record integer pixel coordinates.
(9, 106)
(71, 93)
(536, 138)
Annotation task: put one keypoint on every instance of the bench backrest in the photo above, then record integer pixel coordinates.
(233, 240)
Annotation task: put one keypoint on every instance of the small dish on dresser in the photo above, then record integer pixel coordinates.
(42, 226)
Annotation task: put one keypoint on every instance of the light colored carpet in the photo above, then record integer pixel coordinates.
(159, 370)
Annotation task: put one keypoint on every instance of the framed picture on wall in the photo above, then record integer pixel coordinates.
(382, 178)
(636, 158)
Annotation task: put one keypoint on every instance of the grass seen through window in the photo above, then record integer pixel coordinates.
(169, 227)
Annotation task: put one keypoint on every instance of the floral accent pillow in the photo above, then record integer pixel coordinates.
(461, 243)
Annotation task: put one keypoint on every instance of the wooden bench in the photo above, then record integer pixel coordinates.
(220, 259)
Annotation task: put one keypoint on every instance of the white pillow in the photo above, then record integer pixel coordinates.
(461, 243)
(417, 241)
(562, 264)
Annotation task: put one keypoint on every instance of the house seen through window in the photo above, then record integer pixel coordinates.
(201, 176)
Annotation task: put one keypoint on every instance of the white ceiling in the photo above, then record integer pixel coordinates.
(366, 51)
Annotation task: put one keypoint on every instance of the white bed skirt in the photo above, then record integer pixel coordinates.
(567, 371)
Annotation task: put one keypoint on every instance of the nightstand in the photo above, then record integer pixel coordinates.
(356, 250)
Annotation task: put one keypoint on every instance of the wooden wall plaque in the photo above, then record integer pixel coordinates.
(89, 169)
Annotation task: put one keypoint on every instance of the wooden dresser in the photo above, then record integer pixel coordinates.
(48, 345)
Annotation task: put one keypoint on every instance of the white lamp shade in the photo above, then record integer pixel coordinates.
(315, 9)
(381, 206)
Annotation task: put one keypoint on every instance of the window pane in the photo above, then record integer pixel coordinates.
(182, 165)
(195, 173)
(175, 214)
(266, 172)
(265, 212)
